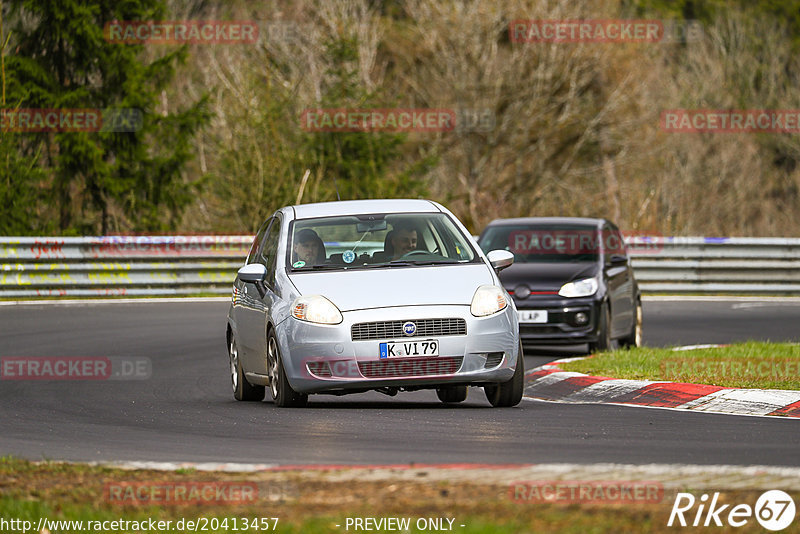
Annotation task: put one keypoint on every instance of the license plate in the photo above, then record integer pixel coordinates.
(532, 316)
(392, 349)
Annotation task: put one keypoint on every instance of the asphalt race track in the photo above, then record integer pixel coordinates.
(185, 410)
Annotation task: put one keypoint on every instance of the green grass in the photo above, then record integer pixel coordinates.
(316, 504)
(752, 364)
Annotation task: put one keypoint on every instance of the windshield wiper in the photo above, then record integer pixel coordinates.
(317, 267)
(436, 262)
(393, 263)
(407, 263)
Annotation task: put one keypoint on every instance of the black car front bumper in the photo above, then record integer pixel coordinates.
(562, 326)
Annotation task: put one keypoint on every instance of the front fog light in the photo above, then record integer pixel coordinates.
(488, 300)
(581, 318)
(316, 309)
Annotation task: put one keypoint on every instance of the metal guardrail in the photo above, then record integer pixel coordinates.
(191, 265)
(119, 265)
(716, 265)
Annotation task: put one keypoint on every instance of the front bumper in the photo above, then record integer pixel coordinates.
(561, 328)
(324, 358)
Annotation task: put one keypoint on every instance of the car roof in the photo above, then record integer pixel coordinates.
(587, 221)
(357, 207)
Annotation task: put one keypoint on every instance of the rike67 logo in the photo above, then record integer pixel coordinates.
(774, 510)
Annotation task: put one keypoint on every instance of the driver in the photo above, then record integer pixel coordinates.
(308, 247)
(404, 239)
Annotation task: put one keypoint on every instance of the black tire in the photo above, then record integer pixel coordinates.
(242, 389)
(634, 339)
(452, 394)
(603, 342)
(508, 393)
(282, 393)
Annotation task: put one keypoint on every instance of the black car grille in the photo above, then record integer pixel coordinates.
(403, 367)
(394, 329)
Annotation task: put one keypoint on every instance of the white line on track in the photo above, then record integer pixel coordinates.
(227, 467)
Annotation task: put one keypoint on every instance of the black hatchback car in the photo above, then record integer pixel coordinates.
(571, 281)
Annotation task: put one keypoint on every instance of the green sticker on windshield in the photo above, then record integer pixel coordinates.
(298, 264)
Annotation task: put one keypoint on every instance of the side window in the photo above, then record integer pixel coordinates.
(269, 250)
(258, 241)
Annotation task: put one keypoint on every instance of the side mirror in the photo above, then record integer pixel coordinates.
(500, 259)
(618, 259)
(253, 273)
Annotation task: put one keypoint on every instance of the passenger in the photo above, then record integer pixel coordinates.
(308, 247)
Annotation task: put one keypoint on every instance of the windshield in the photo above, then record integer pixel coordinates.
(375, 241)
(544, 243)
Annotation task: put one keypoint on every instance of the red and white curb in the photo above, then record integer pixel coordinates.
(550, 383)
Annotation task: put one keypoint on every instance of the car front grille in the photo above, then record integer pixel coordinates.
(394, 329)
(402, 367)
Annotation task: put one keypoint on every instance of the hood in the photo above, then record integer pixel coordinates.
(546, 276)
(395, 286)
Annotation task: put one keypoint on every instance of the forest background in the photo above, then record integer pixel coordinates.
(574, 129)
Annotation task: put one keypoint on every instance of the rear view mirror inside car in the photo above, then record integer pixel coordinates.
(371, 226)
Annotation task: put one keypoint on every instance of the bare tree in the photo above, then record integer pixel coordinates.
(560, 129)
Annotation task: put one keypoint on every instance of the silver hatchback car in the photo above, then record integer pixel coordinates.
(385, 295)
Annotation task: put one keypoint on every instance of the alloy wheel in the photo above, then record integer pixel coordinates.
(273, 367)
(233, 354)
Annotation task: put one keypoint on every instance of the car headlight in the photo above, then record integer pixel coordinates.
(579, 288)
(316, 309)
(488, 300)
